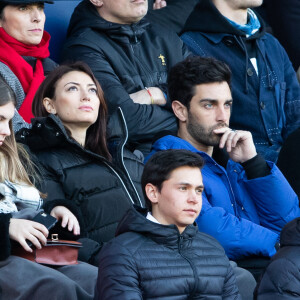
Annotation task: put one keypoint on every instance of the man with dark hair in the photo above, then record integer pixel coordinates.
(246, 200)
(162, 254)
(131, 59)
(265, 89)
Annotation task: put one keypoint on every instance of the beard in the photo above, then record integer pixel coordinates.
(204, 135)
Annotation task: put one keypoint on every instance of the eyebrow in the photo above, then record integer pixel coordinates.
(186, 183)
(76, 83)
(214, 100)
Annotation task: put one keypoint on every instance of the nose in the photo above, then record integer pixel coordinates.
(221, 114)
(194, 197)
(37, 14)
(5, 130)
(85, 95)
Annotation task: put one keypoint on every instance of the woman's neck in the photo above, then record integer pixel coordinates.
(77, 133)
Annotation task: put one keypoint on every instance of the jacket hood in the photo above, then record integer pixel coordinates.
(86, 16)
(206, 18)
(135, 221)
(45, 133)
(290, 234)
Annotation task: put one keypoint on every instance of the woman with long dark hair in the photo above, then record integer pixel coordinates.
(20, 202)
(68, 137)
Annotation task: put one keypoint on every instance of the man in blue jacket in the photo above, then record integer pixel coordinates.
(265, 89)
(246, 200)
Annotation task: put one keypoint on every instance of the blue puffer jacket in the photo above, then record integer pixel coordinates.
(267, 104)
(245, 216)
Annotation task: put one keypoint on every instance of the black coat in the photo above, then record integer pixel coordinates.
(96, 191)
(125, 59)
(4, 236)
(151, 261)
(281, 279)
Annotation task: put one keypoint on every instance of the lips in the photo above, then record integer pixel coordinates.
(191, 211)
(86, 108)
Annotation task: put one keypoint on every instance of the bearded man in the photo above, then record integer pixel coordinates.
(246, 199)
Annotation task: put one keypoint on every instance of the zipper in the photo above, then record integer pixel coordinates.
(196, 278)
(122, 159)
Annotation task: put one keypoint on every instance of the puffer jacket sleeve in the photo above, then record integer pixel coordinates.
(143, 121)
(5, 241)
(276, 202)
(239, 237)
(117, 275)
(281, 280)
(230, 289)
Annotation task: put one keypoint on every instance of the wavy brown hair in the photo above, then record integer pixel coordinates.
(15, 164)
(96, 133)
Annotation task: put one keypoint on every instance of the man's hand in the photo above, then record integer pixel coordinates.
(239, 144)
(143, 97)
(67, 218)
(158, 4)
(21, 230)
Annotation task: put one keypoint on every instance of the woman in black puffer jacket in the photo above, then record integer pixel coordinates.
(68, 137)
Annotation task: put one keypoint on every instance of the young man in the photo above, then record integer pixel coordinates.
(265, 89)
(246, 200)
(131, 59)
(162, 255)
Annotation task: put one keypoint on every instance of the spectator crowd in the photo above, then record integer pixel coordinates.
(163, 140)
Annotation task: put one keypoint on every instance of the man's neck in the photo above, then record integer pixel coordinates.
(237, 15)
(183, 134)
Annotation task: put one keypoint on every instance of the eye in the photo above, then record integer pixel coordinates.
(72, 88)
(41, 7)
(182, 188)
(208, 105)
(93, 90)
(228, 105)
(23, 7)
(199, 191)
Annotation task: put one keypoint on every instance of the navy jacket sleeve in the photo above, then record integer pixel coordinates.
(117, 276)
(230, 289)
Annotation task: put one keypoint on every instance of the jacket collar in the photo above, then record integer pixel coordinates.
(135, 221)
(86, 16)
(200, 20)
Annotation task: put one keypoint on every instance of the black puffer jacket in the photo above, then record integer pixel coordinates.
(96, 191)
(126, 59)
(151, 261)
(281, 279)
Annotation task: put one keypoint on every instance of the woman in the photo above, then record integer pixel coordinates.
(69, 139)
(23, 52)
(21, 278)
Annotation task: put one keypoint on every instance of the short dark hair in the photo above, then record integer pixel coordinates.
(96, 133)
(185, 75)
(160, 166)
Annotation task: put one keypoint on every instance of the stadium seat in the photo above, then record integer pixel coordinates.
(57, 20)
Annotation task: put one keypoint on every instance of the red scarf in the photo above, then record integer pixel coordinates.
(11, 52)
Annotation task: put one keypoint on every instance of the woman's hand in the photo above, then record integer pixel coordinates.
(67, 218)
(21, 230)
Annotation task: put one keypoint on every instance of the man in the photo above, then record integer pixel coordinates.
(265, 89)
(162, 254)
(131, 60)
(247, 201)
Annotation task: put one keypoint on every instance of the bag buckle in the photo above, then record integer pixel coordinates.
(54, 237)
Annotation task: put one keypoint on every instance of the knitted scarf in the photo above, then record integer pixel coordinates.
(252, 25)
(11, 52)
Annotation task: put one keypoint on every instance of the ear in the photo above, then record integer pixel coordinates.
(179, 110)
(97, 3)
(48, 104)
(152, 193)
